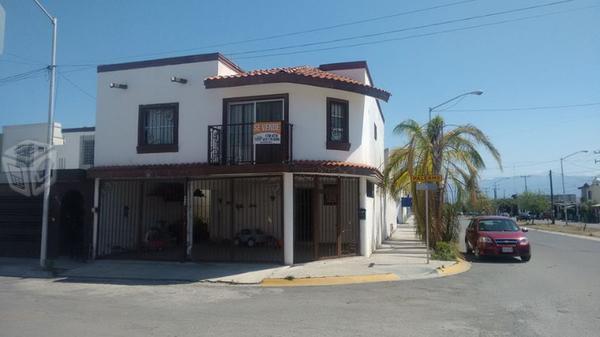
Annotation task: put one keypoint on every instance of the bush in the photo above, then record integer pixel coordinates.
(451, 223)
(445, 251)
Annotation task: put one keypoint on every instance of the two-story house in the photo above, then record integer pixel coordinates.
(196, 158)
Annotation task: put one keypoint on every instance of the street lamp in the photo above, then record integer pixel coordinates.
(48, 167)
(476, 92)
(562, 177)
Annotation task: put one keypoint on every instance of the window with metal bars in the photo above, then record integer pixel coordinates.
(158, 128)
(86, 148)
(337, 125)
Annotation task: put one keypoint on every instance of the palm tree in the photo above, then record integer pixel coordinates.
(434, 149)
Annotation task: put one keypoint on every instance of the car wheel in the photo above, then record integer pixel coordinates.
(469, 250)
(250, 243)
(476, 252)
(525, 258)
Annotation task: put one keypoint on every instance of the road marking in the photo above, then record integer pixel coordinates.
(566, 234)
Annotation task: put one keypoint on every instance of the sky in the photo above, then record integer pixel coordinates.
(539, 68)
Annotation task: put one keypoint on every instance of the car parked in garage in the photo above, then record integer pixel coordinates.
(497, 236)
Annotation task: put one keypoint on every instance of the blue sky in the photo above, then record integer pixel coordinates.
(550, 60)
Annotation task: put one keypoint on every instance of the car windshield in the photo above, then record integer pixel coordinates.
(497, 225)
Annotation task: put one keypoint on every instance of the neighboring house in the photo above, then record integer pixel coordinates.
(197, 159)
(70, 217)
(77, 150)
(591, 192)
(24, 141)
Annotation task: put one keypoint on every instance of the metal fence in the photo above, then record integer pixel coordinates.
(238, 219)
(233, 144)
(142, 219)
(325, 217)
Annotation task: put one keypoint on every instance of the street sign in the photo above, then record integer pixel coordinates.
(426, 186)
(428, 178)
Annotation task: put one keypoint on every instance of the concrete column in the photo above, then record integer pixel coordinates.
(365, 244)
(288, 218)
(189, 211)
(95, 213)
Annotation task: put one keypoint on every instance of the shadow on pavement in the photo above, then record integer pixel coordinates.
(492, 259)
(127, 272)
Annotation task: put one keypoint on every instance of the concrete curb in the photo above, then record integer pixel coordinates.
(593, 238)
(459, 267)
(328, 280)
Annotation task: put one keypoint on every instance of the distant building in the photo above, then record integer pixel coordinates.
(591, 192)
(565, 198)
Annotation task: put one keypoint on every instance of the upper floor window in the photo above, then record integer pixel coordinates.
(86, 156)
(158, 129)
(337, 125)
(375, 131)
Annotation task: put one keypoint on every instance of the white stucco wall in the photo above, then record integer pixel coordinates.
(14, 134)
(70, 151)
(117, 115)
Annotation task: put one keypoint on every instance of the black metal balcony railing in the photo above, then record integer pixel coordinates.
(233, 144)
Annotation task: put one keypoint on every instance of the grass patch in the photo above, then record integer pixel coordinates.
(445, 251)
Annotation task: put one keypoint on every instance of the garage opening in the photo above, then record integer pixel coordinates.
(238, 219)
(326, 223)
(142, 220)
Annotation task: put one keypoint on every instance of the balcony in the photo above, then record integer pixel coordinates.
(250, 143)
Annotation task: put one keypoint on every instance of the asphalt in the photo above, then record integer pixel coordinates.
(555, 294)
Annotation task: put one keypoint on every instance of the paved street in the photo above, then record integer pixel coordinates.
(556, 294)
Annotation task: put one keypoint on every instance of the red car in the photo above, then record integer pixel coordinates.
(497, 236)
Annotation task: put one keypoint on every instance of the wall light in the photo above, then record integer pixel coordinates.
(178, 80)
(118, 86)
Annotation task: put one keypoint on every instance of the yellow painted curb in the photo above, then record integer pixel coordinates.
(460, 266)
(328, 280)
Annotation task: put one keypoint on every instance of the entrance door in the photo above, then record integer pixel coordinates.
(270, 111)
(303, 225)
(240, 121)
(71, 225)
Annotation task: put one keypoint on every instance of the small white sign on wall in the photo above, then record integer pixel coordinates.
(2, 28)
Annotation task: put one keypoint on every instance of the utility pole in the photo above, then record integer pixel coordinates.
(50, 138)
(562, 175)
(552, 198)
(525, 178)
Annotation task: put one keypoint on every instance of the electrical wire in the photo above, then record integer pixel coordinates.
(22, 76)
(296, 33)
(527, 108)
(394, 31)
(416, 35)
(76, 86)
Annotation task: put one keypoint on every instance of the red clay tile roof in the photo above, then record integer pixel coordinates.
(201, 169)
(301, 74)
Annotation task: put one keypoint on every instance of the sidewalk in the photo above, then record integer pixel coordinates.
(401, 257)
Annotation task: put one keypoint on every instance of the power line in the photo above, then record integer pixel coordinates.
(22, 76)
(416, 35)
(300, 32)
(394, 31)
(528, 108)
(83, 91)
